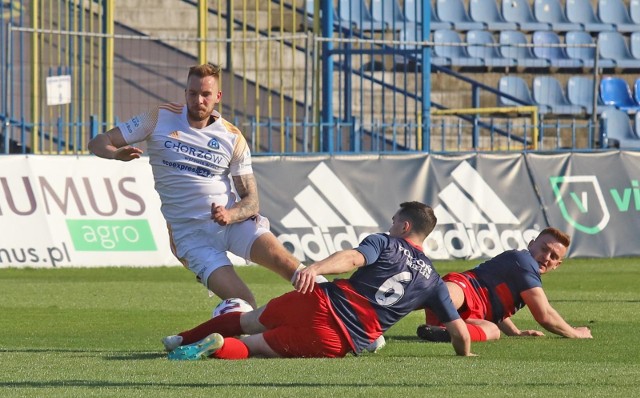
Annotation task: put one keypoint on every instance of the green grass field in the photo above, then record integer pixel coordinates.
(96, 332)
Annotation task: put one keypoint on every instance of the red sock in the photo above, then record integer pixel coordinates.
(476, 332)
(232, 349)
(227, 325)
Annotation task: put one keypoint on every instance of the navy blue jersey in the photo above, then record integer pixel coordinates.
(397, 278)
(500, 281)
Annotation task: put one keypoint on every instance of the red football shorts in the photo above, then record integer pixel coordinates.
(301, 325)
(473, 307)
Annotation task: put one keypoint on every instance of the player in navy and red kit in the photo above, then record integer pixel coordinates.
(332, 319)
(487, 296)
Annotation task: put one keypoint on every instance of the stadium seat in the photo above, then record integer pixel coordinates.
(636, 91)
(411, 33)
(544, 42)
(458, 55)
(512, 45)
(482, 45)
(580, 91)
(634, 44)
(634, 11)
(516, 87)
(615, 13)
(551, 12)
(581, 11)
(613, 47)
(548, 91)
(413, 13)
(338, 24)
(519, 11)
(637, 124)
(453, 11)
(615, 91)
(487, 12)
(586, 54)
(357, 13)
(389, 12)
(617, 130)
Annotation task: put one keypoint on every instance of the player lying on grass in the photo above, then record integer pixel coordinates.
(487, 296)
(332, 319)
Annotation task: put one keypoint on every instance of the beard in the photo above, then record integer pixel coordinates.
(198, 114)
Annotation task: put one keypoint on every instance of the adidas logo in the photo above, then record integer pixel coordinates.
(331, 211)
(467, 202)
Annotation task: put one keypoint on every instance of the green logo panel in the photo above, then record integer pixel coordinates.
(111, 235)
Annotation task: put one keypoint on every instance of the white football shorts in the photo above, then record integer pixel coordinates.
(202, 245)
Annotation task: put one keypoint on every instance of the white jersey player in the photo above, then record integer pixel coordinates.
(195, 155)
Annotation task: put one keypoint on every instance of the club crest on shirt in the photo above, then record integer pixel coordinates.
(214, 144)
(174, 134)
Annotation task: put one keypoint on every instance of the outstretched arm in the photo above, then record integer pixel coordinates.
(549, 318)
(337, 263)
(510, 329)
(111, 145)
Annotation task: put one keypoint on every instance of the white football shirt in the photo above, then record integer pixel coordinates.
(191, 167)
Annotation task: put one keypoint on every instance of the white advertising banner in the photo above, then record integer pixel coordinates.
(80, 211)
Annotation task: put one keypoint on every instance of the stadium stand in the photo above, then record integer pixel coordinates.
(519, 11)
(448, 49)
(454, 11)
(487, 12)
(551, 12)
(580, 91)
(512, 46)
(617, 131)
(357, 13)
(615, 92)
(636, 91)
(634, 44)
(548, 91)
(413, 13)
(482, 45)
(581, 11)
(338, 24)
(613, 47)
(389, 12)
(546, 47)
(615, 13)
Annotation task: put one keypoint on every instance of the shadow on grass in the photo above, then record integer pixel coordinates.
(108, 355)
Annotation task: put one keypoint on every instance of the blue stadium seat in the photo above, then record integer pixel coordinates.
(634, 44)
(557, 56)
(580, 91)
(453, 11)
(548, 91)
(412, 33)
(512, 45)
(637, 124)
(615, 91)
(634, 11)
(482, 45)
(615, 13)
(413, 13)
(613, 46)
(516, 87)
(457, 54)
(617, 129)
(338, 24)
(586, 54)
(581, 11)
(487, 12)
(519, 11)
(357, 12)
(389, 12)
(551, 12)
(636, 91)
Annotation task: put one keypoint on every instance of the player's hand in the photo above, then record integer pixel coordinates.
(127, 153)
(305, 280)
(220, 215)
(532, 333)
(583, 332)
